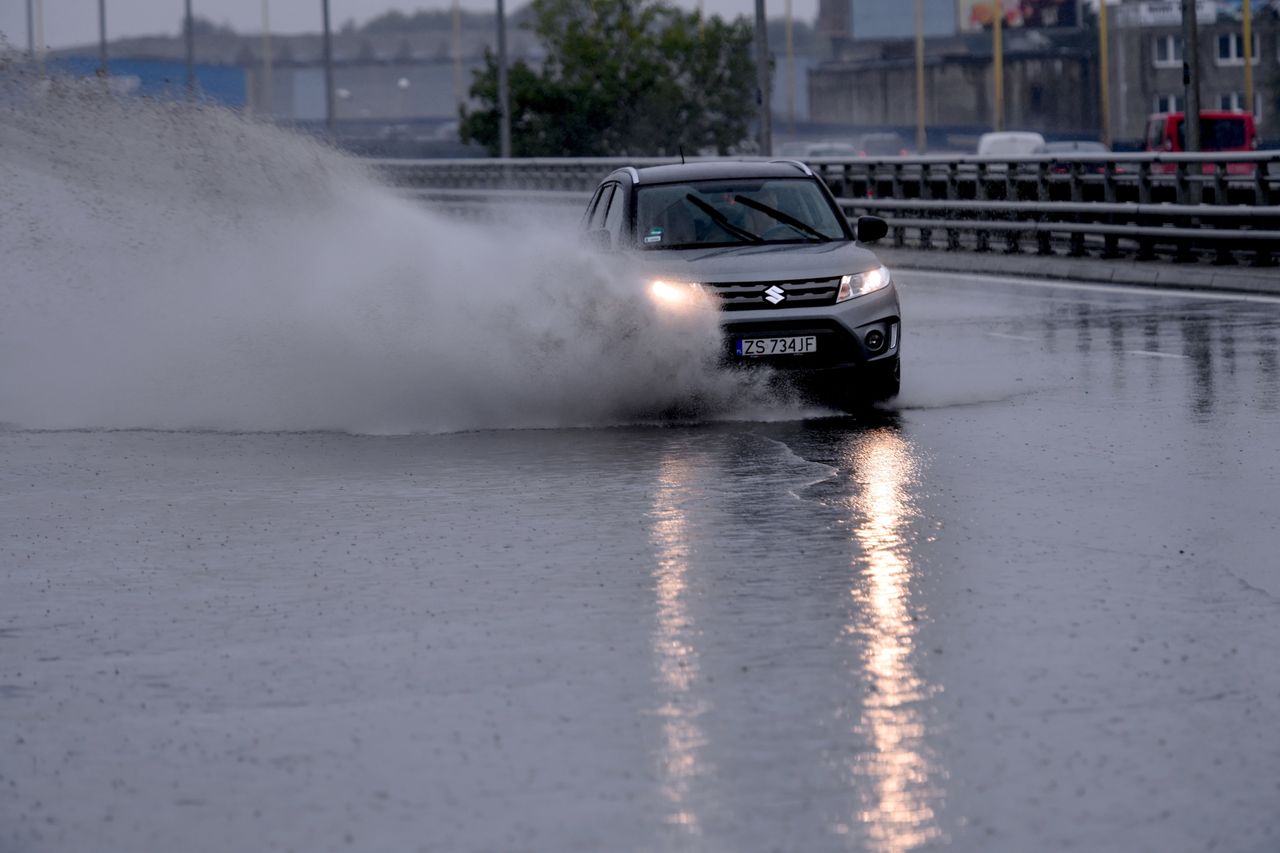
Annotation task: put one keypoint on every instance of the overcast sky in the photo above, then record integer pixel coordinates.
(70, 22)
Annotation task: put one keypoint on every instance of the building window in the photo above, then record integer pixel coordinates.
(1231, 49)
(1235, 101)
(1168, 104)
(1167, 52)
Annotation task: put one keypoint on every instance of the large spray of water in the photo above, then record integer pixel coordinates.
(173, 266)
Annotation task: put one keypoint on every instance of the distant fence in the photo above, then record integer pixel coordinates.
(1140, 205)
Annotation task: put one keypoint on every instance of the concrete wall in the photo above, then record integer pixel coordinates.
(1051, 94)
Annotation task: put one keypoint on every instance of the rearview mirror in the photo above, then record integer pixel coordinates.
(871, 228)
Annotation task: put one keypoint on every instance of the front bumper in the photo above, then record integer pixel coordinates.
(841, 331)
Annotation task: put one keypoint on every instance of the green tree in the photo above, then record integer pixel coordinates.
(622, 77)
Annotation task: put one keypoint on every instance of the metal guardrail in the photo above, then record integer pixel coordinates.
(1144, 205)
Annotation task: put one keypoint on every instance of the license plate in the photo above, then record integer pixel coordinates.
(777, 346)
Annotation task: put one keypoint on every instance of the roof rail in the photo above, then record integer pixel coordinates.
(799, 165)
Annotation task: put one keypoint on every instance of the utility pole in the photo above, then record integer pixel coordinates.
(103, 68)
(791, 75)
(455, 48)
(31, 29)
(37, 38)
(762, 81)
(1104, 72)
(1248, 55)
(189, 25)
(268, 108)
(920, 135)
(328, 67)
(997, 58)
(504, 92)
(1190, 77)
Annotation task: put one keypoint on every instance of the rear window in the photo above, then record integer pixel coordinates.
(1216, 134)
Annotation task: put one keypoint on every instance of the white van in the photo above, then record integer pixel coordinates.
(1009, 143)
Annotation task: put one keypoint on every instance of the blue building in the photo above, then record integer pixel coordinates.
(163, 78)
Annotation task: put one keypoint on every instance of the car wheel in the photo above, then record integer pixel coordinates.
(857, 389)
(884, 380)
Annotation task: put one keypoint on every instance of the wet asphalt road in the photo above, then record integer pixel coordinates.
(1034, 607)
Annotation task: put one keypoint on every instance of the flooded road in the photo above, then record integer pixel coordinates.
(1034, 606)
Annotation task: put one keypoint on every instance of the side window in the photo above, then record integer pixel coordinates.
(589, 214)
(1155, 135)
(613, 216)
(602, 205)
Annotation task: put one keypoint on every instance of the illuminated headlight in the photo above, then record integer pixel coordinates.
(863, 283)
(676, 295)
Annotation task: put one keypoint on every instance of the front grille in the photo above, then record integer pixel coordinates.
(796, 293)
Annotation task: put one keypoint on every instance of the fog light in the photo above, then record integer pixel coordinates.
(874, 340)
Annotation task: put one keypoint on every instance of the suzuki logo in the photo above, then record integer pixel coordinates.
(774, 295)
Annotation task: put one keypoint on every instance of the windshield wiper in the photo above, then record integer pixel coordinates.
(785, 219)
(719, 219)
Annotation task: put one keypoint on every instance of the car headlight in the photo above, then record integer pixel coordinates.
(860, 284)
(676, 295)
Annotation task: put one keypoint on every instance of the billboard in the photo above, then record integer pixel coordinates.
(977, 15)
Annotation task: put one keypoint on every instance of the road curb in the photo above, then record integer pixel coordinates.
(1164, 274)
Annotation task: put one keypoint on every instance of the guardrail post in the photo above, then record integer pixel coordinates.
(1263, 256)
(1076, 245)
(1146, 246)
(925, 192)
(1044, 241)
(1261, 191)
(1223, 256)
(899, 233)
(1182, 189)
(1011, 244)
(980, 194)
(1110, 242)
(953, 193)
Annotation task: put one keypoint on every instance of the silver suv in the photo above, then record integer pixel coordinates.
(767, 240)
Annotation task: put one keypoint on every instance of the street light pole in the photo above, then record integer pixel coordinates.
(791, 76)
(920, 111)
(31, 29)
(268, 107)
(1190, 77)
(1247, 12)
(103, 69)
(328, 68)
(191, 51)
(504, 93)
(997, 58)
(762, 81)
(1104, 72)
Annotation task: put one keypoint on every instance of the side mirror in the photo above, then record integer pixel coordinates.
(599, 240)
(871, 228)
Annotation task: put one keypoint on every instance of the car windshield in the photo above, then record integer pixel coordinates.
(733, 212)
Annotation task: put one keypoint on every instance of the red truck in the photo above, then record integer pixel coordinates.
(1220, 130)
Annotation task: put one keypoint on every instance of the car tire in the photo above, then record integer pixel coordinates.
(857, 389)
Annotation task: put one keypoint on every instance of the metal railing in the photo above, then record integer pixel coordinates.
(1225, 207)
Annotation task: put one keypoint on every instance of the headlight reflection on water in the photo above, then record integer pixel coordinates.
(898, 809)
(675, 654)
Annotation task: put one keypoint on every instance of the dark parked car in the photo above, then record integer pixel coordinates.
(767, 243)
(881, 145)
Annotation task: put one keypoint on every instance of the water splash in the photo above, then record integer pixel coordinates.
(179, 266)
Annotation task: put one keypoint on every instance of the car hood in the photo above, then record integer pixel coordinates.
(760, 263)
